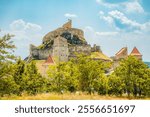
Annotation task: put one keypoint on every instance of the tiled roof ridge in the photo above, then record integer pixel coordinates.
(120, 51)
(135, 51)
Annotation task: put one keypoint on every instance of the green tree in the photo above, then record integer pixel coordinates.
(144, 83)
(63, 77)
(7, 83)
(103, 85)
(134, 73)
(81, 73)
(33, 82)
(70, 76)
(6, 48)
(19, 68)
(55, 75)
(115, 85)
(8, 86)
(91, 71)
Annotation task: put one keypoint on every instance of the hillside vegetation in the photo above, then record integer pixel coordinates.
(21, 80)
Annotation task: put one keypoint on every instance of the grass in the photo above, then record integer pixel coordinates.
(67, 96)
(100, 55)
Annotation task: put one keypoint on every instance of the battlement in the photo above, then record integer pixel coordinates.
(68, 24)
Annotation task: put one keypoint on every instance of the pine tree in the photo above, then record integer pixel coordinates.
(19, 68)
(6, 48)
(7, 83)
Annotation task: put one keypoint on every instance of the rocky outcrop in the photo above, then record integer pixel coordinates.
(62, 44)
(73, 36)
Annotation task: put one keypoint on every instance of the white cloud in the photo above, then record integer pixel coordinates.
(69, 15)
(89, 29)
(17, 25)
(24, 30)
(124, 20)
(106, 33)
(107, 19)
(133, 7)
(26, 33)
(101, 13)
(93, 36)
(21, 25)
(33, 27)
(146, 27)
(126, 6)
(117, 16)
(106, 4)
(89, 34)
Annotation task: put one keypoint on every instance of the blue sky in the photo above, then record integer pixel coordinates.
(112, 24)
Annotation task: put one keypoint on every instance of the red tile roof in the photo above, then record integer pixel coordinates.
(135, 51)
(124, 49)
(49, 60)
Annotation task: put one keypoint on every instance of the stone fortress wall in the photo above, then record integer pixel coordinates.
(62, 43)
(86, 49)
(40, 54)
(60, 49)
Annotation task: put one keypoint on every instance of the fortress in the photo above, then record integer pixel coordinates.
(63, 44)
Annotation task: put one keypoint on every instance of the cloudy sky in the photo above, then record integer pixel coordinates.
(112, 24)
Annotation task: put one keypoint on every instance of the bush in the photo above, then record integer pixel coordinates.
(8, 86)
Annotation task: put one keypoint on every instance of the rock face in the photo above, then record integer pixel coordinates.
(62, 44)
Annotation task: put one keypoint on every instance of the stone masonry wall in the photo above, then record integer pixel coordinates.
(39, 53)
(60, 49)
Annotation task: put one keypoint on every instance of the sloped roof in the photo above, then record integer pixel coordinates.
(135, 51)
(49, 60)
(100, 55)
(124, 49)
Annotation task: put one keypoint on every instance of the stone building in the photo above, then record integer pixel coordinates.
(60, 49)
(63, 44)
(123, 53)
(43, 67)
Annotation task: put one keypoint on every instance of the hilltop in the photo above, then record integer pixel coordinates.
(63, 44)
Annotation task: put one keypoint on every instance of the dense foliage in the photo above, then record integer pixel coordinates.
(82, 74)
(134, 76)
(130, 78)
(16, 76)
(6, 48)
